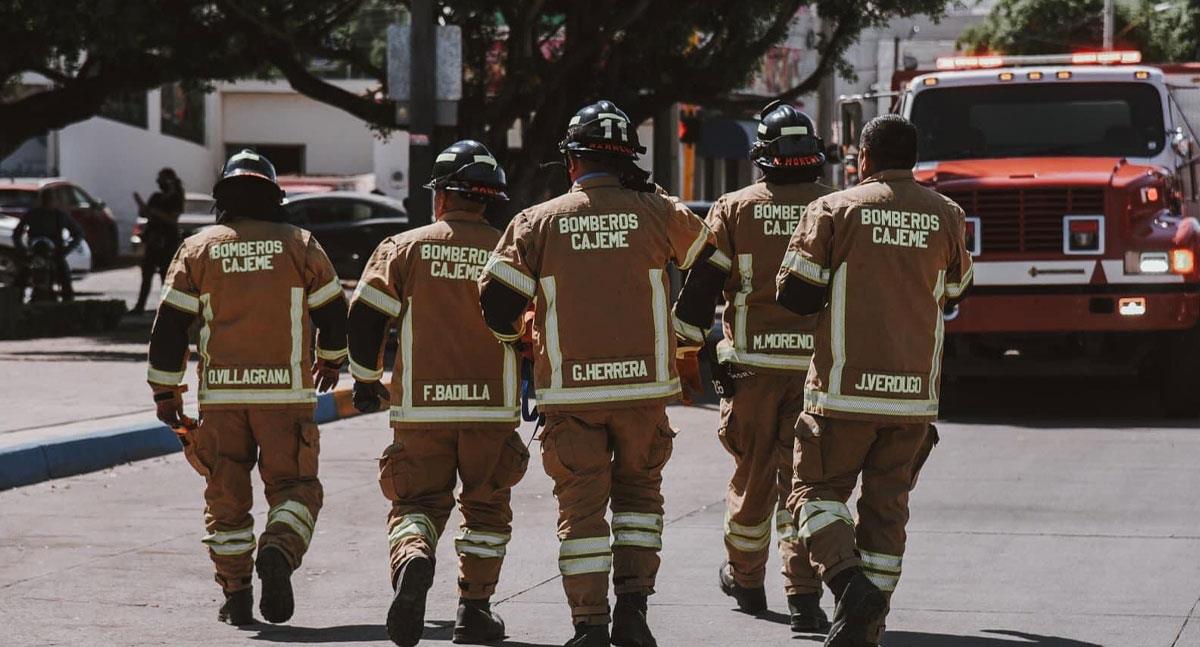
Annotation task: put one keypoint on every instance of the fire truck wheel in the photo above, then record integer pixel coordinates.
(1181, 375)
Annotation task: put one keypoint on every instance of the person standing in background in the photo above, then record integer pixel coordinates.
(161, 235)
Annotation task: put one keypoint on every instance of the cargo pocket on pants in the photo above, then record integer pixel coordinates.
(807, 461)
(927, 445)
(394, 476)
(193, 453)
(726, 433)
(308, 450)
(662, 446)
(514, 460)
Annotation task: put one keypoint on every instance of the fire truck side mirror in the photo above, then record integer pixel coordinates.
(1181, 142)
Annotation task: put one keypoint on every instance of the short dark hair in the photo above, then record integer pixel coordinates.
(892, 142)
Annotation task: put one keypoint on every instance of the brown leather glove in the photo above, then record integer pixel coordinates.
(168, 405)
(325, 374)
(687, 364)
(525, 344)
(370, 396)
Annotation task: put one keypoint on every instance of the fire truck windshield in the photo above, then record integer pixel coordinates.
(1044, 119)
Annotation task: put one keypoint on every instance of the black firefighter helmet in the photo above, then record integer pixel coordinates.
(468, 167)
(601, 130)
(247, 172)
(787, 139)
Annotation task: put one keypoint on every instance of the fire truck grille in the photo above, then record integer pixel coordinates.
(1026, 220)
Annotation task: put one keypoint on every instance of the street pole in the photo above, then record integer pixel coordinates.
(1108, 25)
(421, 111)
(666, 148)
(826, 104)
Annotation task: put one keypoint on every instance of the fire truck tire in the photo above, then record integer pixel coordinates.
(1181, 374)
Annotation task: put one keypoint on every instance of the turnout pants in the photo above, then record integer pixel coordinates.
(598, 458)
(284, 443)
(830, 455)
(758, 429)
(418, 472)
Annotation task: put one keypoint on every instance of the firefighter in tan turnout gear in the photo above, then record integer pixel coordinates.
(454, 397)
(762, 360)
(594, 262)
(258, 285)
(880, 262)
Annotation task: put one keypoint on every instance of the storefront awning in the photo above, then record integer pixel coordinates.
(727, 138)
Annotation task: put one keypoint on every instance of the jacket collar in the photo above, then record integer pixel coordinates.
(595, 181)
(890, 175)
(462, 215)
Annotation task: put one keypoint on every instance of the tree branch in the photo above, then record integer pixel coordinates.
(278, 49)
(839, 39)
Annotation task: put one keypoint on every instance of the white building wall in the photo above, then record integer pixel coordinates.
(391, 164)
(335, 142)
(111, 160)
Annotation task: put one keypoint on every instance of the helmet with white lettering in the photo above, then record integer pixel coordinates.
(468, 167)
(787, 139)
(601, 130)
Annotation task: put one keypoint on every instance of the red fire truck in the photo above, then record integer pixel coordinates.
(1077, 174)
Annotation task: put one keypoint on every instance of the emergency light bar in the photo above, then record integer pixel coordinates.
(1125, 57)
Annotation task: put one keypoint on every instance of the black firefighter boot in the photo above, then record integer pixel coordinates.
(629, 622)
(860, 605)
(477, 624)
(749, 600)
(807, 616)
(589, 636)
(406, 616)
(277, 603)
(238, 609)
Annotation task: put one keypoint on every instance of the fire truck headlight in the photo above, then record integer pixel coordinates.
(1153, 263)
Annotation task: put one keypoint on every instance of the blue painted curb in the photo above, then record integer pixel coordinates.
(36, 462)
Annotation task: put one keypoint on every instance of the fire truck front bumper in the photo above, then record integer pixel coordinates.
(1124, 308)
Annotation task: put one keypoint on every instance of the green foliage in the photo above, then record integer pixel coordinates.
(556, 55)
(91, 50)
(532, 62)
(1164, 32)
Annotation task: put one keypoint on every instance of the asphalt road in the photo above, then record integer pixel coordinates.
(1052, 533)
(1058, 513)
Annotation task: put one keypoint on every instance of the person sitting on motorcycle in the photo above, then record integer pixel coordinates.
(48, 220)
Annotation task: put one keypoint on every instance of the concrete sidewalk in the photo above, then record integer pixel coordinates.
(1073, 536)
(82, 403)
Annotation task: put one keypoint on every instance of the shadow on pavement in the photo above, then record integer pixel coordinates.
(292, 635)
(1113, 402)
(435, 631)
(1005, 638)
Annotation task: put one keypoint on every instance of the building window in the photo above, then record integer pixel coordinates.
(183, 112)
(127, 108)
(288, 159)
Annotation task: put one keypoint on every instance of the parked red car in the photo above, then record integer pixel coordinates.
(99, 227)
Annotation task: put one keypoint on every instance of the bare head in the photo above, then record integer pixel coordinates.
(888, 142)
(447, 201)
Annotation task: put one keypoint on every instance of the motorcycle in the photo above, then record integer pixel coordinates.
(41, 270)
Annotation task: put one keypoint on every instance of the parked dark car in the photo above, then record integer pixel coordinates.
(349, 225)
(699, 208)
(99, 226)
